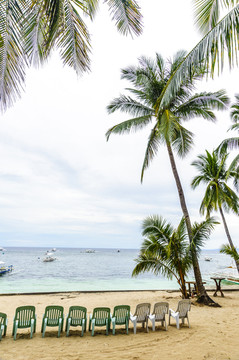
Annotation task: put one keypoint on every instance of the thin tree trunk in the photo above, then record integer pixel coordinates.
(228, 234)
(203, 296)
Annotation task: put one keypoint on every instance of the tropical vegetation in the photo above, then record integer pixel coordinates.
(149, 80)
(30, 30)
(218, 196)
(232, 142)
(167, 251)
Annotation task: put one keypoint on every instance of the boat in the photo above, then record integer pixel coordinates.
(49, 257)
(5, 269)
(230, 275)
(90, 251)
(208, 258)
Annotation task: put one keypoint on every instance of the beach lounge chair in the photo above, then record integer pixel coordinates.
(141, 315)
(25, 317)
(181, 313)
(53, 316)
(77, 316)
(121, 315)
(159, 312)
(3, 325)
(100, 317)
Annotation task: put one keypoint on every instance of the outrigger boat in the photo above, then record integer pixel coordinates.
(5, 269)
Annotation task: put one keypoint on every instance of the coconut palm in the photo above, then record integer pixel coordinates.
(166, 250)
(149, 80)
(218, 195)
(231, 143)
(218, 22)
(30, 30)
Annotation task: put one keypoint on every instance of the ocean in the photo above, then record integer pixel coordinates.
(78, 270)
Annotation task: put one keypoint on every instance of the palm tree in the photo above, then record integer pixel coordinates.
(219, 36)
(231, 143)
(30, 30)
(218, 195)
(226, 249)
(167, 251)
(149, 80)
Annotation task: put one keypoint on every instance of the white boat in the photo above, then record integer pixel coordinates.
(49, 258)
(5, 269)
(208, 258)
(90, 251)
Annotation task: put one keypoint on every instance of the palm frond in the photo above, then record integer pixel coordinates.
(201, 233)
(208, 52)
(235, 110)
(153, 144)
(183, 141)
(206, 14)
(227, 144)
(129, 106)
(127, 16)
(74, 40)
(12, 58)
(129, 125)
(226, 249)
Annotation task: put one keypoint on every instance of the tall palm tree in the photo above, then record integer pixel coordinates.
(31, 29)
(233, 142)
(218, 195)
(149, 80)
(218, 23)
(167, 251)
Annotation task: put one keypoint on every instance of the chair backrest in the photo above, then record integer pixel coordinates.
(160, 309)
(77, 313)
(183, 307)
(121, 313)
(53, 313)
(24, 315)
(101, 314)
(3, 319)
(142, 311)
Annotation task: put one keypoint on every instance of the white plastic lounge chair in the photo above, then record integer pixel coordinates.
(159, 312)
(141, 315)
(181, 313)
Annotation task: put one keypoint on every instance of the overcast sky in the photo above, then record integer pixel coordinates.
(61, 183)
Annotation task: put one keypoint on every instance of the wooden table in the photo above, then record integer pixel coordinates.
(195, 289)
(218, 285)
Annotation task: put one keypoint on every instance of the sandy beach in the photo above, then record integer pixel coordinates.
(213, 333)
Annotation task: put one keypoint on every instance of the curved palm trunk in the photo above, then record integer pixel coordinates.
(203, 297)
(228, 234)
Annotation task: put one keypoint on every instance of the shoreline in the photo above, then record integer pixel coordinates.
(215, 328)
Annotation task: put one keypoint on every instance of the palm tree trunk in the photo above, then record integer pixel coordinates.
(203, 296)
(228, 234)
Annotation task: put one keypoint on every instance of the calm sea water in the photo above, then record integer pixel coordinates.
(76, 270)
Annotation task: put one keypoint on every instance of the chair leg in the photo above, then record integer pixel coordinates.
(82, 327)
(147, 328)
(93, 327)
(153, 324)
(1, 331)
(5, 330)
(32, 328)
(188, 322)
(15, 329)
(107, 327)
(113, 326)
(44, 327)
(135, 324)
(68, 324)
(165, 321)
(127, 327)
(177, 321)
(59, 328)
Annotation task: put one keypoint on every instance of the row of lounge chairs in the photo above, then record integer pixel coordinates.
(25, 317)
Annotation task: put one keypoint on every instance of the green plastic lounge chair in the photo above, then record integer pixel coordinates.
(159, 312)
(100, 317)
(77, 316)
(3, 325)
(53, 316)
(181, 313)
(25, 317)
(121, 316)
(141, 315)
